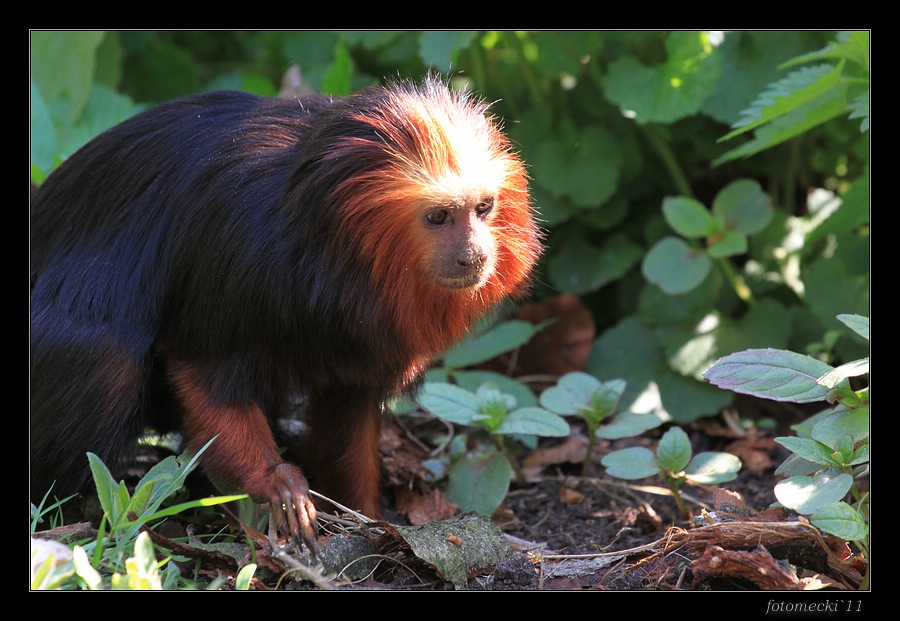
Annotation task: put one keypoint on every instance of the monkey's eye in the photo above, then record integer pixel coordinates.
(438, 216)
(484, 206)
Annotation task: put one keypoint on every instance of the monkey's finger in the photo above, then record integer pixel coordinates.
(294, 511)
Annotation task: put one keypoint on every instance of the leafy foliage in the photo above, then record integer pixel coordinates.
(582, 395)
(122, 557)
(479, 478)
(675, 464)
(831, 448)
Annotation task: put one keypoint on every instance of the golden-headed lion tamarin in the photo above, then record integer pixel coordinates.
(203, 261)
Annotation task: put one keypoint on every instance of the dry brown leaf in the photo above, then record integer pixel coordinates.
(571, 451)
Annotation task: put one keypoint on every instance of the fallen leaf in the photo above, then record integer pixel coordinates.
(571, 451)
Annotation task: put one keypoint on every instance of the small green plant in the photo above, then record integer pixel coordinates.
(583, 395)
(679, 264)
(489, 342)
(479, 479)
(831, 448)
(121, 557)
(675, 464)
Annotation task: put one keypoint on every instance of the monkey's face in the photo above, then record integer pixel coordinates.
(460, 251)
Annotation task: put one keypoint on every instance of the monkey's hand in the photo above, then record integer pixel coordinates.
(291, 511)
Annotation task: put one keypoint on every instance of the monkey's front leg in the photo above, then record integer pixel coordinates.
(245, 456)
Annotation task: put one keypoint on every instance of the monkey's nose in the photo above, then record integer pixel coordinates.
(472, 259)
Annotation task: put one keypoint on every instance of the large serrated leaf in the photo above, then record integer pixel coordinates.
(771, 374)
(787, 94)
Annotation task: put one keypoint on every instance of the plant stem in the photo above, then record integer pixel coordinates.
(673, 485)
(664, 152)
(737, 282)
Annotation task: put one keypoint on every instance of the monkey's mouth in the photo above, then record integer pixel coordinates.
(465, 281)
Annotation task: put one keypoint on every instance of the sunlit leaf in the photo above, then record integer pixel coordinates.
(807, 495)
(770, 373)
(710, 468)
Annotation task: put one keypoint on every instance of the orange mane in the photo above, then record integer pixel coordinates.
(437, 144)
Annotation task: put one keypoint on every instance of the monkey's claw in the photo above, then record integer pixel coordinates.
(291, 510)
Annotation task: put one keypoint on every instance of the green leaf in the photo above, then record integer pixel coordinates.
(501, 338)
(44, 143)
(580, 267)
(796, 122)
(840, 423)
(244, 577)
(838, 375)
(809, 449)
(451, 403)
(107, 489)
(479, 483)
(674, 450)
(586, 170)
(572, 394)
(628, 425)
(672, 90)
(62, 62)
(631, 463)
(831, 288)
(806, 495)
(441, 48)
(711, 468)
(630, 350)
(337, 79)
(786, 95)
(534, 421)
(860, 110)
(688, 217)
(841, 520)
(675, 267)
(770, 373)
(730, 244)
(743, 206)
(471, 379)
(852, 45)
(857, 323)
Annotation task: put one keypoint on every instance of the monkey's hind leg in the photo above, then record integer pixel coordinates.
(87, 395)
